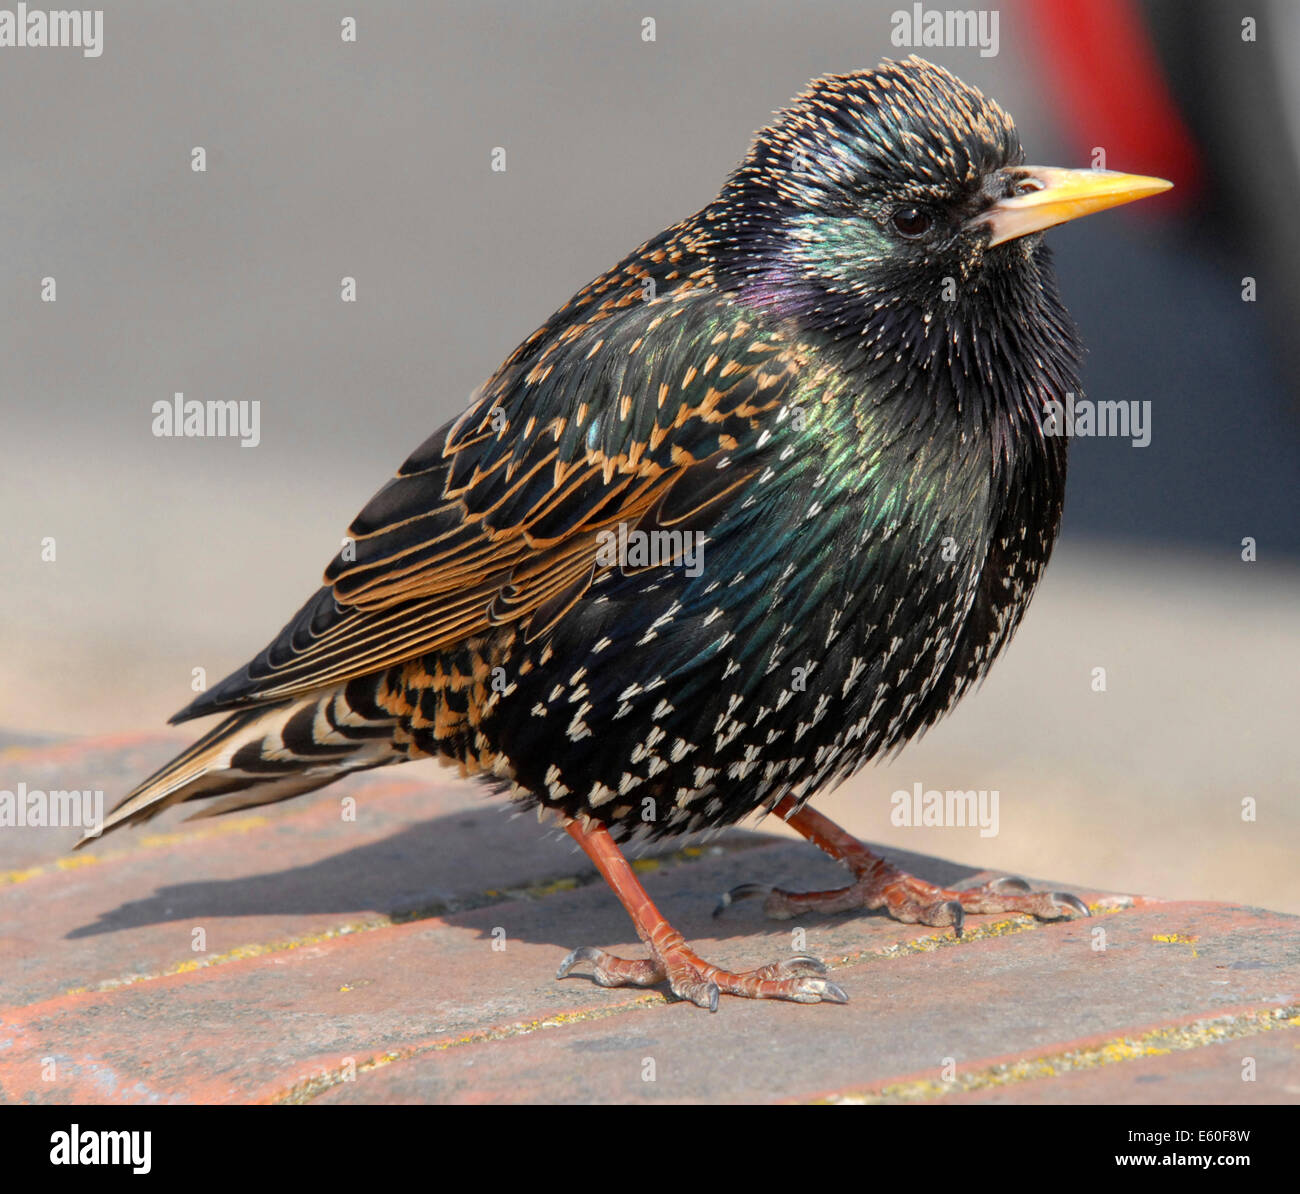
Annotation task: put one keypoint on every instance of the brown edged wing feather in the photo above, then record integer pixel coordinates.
(647, 417)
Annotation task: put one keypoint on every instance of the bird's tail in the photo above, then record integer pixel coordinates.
(263, 755)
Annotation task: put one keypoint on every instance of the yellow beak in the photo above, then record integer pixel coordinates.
(1061, 195)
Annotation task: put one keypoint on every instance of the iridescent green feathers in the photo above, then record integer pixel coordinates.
(844, 414)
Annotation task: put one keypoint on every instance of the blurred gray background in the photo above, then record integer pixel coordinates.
(327, 159)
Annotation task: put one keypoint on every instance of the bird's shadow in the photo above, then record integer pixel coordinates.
(464, 861)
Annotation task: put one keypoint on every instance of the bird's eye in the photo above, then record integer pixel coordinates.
(912, 222)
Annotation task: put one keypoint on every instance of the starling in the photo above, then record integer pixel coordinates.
(754, 507)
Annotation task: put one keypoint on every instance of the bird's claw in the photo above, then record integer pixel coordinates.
(744, 892)
(584, 953)
(797, 979)
(1067, 900)
(609, 971)
(957, 915)
(1008, 883)
(798, 963)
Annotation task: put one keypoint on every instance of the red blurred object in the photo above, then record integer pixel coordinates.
(1109, 90)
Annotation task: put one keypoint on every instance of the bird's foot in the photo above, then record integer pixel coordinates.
(797, 979)
(911, 900)
(880, 884)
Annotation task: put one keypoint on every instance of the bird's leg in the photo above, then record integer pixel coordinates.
(880, 884)
(689, 976)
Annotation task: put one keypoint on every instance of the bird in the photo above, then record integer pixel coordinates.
(755, 507)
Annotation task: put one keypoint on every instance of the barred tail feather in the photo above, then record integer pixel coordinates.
(261, 756)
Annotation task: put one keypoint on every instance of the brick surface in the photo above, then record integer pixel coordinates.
(361, 960)
(1215, 1073)
(986, 1003)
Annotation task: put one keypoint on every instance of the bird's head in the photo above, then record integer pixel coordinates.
(895, 189)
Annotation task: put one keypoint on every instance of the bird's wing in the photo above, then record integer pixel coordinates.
(645, 418)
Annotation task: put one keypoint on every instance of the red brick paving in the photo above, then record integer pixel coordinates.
(354, 961)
